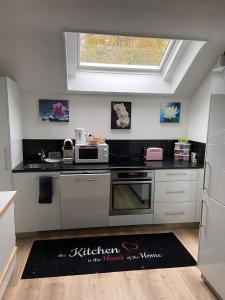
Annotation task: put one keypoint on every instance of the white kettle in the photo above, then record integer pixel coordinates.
(81, 135)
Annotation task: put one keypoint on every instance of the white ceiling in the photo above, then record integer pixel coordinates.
(31, 40)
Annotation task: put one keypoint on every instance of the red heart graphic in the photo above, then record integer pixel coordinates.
(129, 246)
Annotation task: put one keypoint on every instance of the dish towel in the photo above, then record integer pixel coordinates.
(45, 189)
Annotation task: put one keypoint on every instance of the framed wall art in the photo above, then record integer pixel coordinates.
(54, 110)
(120, 115)
(170, 112)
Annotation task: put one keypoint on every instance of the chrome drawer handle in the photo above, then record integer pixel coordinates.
(206, 178)
(91, 179)
(203, 216)
(175, 192)
(5, 158)
(171, 174)
(175, 213)
(131, 182)
(53, 177)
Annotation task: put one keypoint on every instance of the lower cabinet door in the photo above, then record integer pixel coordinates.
(85, 200)
(174, 212)
(211, 258)
(176, 191)
(7, 237)
(30, 215)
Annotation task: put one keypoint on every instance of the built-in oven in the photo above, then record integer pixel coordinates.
(132, 192)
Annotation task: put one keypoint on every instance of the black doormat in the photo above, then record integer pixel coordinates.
(62, 257)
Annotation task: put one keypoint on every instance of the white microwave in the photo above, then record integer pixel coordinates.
(91, 153)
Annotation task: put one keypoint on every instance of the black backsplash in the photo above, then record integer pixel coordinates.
(134, 149)
(31, 148)
(119, 149)
(199, 148)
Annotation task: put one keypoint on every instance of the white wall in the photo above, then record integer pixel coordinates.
(31, 32)
(199, 111)
(93, 112)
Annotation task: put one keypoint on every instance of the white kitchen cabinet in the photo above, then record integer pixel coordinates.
(10, 131)
(125, 220)
(215, 158)
(174, 212)
(30, 215)
(211, 256)
(173, 191)
(85, 200)
(177, 196)
(176, 175)
(199, 195)
(5, 160)
(212, 244)
(7, 239)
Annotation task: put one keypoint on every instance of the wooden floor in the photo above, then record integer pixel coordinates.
(163, 284)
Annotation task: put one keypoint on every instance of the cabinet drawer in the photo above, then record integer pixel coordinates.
(175, 191)
(178, 174)
(174, 212)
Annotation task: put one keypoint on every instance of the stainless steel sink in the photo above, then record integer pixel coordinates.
(42, 166)
(34, 166)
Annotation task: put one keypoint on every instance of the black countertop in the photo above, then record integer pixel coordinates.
(138, 165)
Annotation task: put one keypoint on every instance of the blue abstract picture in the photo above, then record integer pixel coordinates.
(170, 112)
(54, 110)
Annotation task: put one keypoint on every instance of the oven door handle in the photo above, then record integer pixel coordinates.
(130, 181)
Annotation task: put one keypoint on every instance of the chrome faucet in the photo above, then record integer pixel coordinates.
(42, 155)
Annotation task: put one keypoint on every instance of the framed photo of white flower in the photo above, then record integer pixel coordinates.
(120, 115)
(170, 112)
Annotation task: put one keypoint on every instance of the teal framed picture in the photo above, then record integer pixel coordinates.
(170, 112)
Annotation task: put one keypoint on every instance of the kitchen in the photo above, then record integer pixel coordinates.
(174, 188)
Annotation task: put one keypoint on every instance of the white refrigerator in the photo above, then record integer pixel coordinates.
(211, 258)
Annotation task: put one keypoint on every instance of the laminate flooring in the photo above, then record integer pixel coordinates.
(158, 284)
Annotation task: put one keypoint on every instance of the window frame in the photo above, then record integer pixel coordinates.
(111, 68)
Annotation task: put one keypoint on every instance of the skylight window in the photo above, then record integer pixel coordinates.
(101, 51)
(121, 64)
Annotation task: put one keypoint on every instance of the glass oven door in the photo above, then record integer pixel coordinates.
(131, 197)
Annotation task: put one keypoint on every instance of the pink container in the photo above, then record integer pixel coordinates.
(154, 153)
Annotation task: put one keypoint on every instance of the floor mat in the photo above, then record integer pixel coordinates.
(75, 256)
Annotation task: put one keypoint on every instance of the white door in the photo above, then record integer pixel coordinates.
(215, 157)
(211, 259)
(85, 200)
